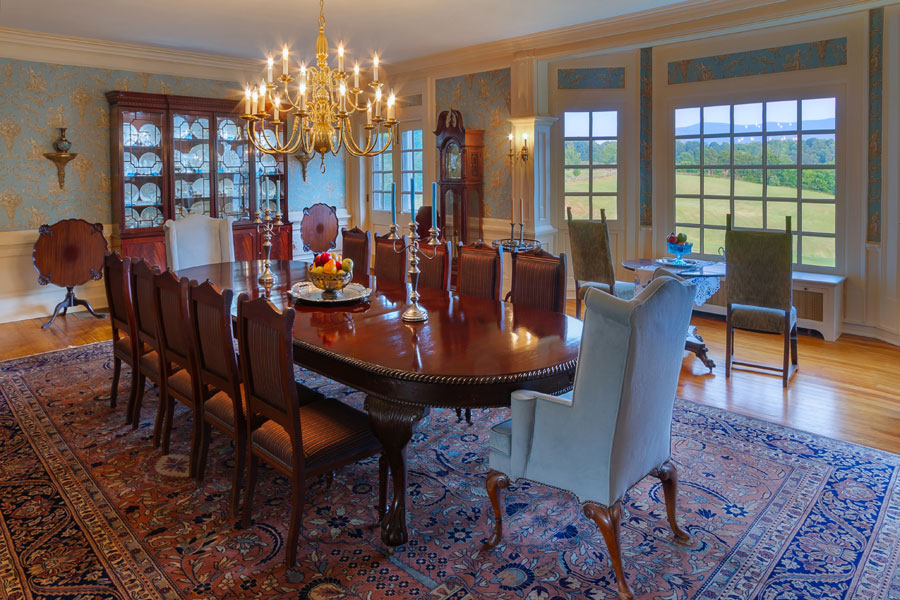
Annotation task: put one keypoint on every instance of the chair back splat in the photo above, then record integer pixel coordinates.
(480, 270)
(539, 280)
(356, 245)
(390, 265)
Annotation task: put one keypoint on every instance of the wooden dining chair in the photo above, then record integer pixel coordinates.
(177, 361)
(390, 265)
(434, 264)
(301, 442)
(538, 280)
(319, 228)
(357, 245)
(479, 270)
(116, 272)
(145, 331)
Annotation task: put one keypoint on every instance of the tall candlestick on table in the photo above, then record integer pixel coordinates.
(521, 210)
(434, 204)
(412, 198)
(393, 203)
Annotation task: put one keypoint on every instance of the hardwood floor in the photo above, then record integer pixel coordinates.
(846, 390)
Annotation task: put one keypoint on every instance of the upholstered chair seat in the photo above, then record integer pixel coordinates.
(621, 289)
(614, 428)
(198, 240)
(760, 318)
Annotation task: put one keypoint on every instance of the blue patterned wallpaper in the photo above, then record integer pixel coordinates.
(797, 57)
(876, 48)
(483, 100)
(646, 159)
(36, 98)
(327, 187)
(603, 78)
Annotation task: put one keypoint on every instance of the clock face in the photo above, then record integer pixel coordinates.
(453, 161)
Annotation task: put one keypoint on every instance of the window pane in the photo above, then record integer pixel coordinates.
(781, 116)
(818, 184)
(407, 140)
(387, 180)
(818, 149)
(377, 181)
(747, 118)
(777, 211)
(717, 151)
(577, 124)
(406, 161)
(605, 124)
(818, 251)
(577, 153)
(782, 183)
(576, 180)
(715, 210)
(818, 113)
(605, 152)
(716, 119)
(580, 206)
(748, 182)
(716, 182)
(687, 210)
(417, 138)
(687, 151)
(605, 181)
(748, 150)
(781, 150)
(687, 181)
(608, 203)
(748, 213)
(687, 121)
(713, 240)
(693, 236)
(818, 218)
(417, 161)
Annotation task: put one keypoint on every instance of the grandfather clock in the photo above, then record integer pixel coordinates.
(460, 180)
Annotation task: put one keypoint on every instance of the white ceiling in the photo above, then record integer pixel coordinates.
(397, 29)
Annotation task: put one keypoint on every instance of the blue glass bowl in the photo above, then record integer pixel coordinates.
(679, 250)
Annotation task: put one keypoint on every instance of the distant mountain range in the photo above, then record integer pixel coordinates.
(713, 128)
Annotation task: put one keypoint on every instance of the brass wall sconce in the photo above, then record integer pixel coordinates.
(304, 158)
(522, 154)
(61, 157)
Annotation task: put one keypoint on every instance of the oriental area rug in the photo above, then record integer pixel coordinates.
(89, 510)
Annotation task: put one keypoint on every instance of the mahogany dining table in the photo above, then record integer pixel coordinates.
(471, 353)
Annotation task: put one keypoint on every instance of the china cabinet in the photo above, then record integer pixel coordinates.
(172, 156)
(460, 152)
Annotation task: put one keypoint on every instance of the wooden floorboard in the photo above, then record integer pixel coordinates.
(846, 389)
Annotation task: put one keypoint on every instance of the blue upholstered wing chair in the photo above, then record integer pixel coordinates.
(614, 427)
(198, 240)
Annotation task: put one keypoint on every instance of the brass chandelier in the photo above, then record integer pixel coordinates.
(313, 115)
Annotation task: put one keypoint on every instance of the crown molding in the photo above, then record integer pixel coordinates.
(35, 46)
(689, 20)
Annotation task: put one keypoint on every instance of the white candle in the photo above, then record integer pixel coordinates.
(262, 97)
(341, 56)
(247, 100)
(378, 102)
(390, 103)
(369, 113)
(275, 105)
(253, 105)
(303, 96)
(270, 63)
(343, 92)
(284, 61)
(375, 69)
(356, 76)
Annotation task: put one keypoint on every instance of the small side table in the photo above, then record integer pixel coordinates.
(69, 253)
(514, 246)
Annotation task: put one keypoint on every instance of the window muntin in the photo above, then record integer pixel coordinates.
(411, 166)
(590, 163)
(760, 162)
(382, 176)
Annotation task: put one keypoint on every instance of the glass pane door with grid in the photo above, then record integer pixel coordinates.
(191, 142)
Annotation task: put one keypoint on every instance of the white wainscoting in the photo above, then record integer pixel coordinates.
(21, 297)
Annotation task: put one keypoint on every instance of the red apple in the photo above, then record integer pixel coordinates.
(337, 265)
(672, 239)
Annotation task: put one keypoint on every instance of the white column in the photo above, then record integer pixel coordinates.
(531, 178)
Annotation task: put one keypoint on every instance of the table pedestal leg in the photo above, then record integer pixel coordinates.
(393, 423)
(68, 302)
(694, 343)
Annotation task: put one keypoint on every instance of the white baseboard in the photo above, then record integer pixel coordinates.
(871, 331)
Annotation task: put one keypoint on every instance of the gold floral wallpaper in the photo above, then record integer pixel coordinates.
(36, 98)
(483, 100)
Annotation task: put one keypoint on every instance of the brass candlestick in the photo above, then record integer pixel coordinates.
(414, 312)
(268, 228)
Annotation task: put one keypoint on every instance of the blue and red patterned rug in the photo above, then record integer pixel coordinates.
(89, 510)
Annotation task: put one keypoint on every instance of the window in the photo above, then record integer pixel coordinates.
(760, 162)
(411, 165)
(590, 169)
(382, 176)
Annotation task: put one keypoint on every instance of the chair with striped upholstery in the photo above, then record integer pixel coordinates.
(141, 289)
(539, 280)
(356, 245)
(299, 441)
(434, 264)
(390, 265)
(177, 364)
(116, 271)
(480, 271)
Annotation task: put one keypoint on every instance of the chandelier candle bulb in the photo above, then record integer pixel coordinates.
(390, 103)
(341, 57)
(378, 102)
(369, 113)
(270, 63)
(343, 104)
(254, 102)
(375, 69)
(275, 105)
(285, 63)
(247, 101)
(356, 76)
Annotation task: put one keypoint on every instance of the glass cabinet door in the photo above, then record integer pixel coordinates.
(270, 182)
(142, 169)
(232, 169)
(191, 166)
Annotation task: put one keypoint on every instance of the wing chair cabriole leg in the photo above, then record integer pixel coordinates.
(495, 480)
(668, 475)
(608, 520)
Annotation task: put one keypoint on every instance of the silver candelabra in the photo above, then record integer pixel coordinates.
(414, 312)
(268, 228)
